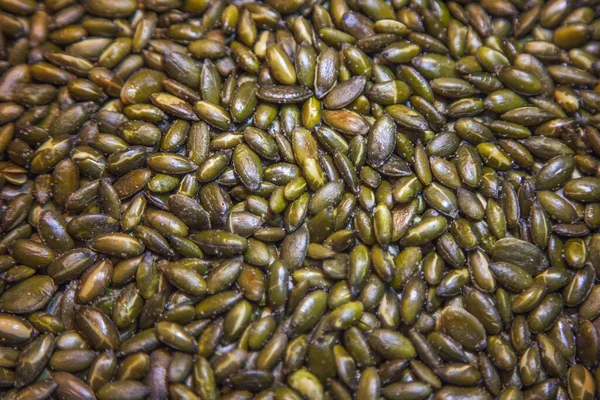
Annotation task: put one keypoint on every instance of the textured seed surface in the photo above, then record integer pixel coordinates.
(299, 199)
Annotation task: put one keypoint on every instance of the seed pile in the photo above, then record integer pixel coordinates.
(299, 199)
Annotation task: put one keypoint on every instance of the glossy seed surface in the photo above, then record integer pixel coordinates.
(299, 199)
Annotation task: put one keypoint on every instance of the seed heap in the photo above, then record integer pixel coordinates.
(297, 199)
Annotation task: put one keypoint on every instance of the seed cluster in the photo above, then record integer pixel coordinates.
(299, 199)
